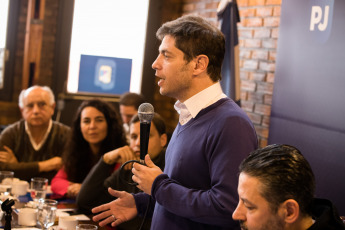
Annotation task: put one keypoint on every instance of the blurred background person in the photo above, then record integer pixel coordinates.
(94, 189)
(97, 129)
(276, 192)
(128, 105)
(32, 146)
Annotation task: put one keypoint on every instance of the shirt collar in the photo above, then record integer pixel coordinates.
(201, 100)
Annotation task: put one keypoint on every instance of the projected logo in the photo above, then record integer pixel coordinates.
(321, 19)
(105, 74)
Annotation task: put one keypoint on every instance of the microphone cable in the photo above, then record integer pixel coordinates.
(135, 184)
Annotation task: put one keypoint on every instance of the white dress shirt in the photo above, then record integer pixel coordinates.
(192, 106)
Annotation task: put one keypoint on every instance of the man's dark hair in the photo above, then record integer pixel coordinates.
(284, 173)
(195, 36)
(132, 99)
(157, 120)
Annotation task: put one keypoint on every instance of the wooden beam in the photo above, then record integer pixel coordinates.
(33, 43)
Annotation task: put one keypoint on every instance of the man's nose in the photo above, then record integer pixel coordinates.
(137, 141)
(155, 64)
(35, 108)
(238, 214)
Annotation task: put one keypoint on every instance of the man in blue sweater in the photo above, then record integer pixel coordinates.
(198, 188)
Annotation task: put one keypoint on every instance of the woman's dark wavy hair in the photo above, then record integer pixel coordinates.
(77, 157)
(284, 173)
(195, 36)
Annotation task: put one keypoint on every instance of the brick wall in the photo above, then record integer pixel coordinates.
(258, 36)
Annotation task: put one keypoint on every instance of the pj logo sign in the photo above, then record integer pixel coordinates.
(321, 19)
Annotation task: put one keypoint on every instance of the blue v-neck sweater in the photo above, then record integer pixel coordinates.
(198, 189)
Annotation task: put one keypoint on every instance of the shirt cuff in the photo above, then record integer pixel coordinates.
(156, 183)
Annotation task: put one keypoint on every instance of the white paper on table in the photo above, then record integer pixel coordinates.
(81, 217)
(64, 212)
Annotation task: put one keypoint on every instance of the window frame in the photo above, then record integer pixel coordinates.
(63, 43)
(10, 47)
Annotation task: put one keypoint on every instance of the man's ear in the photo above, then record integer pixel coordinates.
(201, 64)
(164, 139)
(53, 107)
(291, 210)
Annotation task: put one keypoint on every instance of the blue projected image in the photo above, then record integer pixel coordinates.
(104, 75)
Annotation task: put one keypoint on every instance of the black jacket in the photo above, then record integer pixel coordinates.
(326, 216)
(94, 189)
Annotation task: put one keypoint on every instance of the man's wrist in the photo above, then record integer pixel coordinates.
(41, 166)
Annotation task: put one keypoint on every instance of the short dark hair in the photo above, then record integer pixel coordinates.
(157, 120)
(132, 99)
(195, 36)
(284, 173)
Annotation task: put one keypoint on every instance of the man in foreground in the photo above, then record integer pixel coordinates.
(276, 191)
(198, 187)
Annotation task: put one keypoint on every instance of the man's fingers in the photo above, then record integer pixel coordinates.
(117, 222)
(100, 215)
(148, 161)
(100, 208)
(8, 149)
(105, 222)
(114, 192)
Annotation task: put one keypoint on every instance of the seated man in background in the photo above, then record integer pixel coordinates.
(94, 190)
(32, 146)
(128, 105)
(276, 191)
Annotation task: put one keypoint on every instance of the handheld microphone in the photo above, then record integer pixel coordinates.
(145, 114)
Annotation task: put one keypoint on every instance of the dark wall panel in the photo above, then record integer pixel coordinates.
(308, 108)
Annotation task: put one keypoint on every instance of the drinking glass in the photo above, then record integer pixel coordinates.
(46, 212)
(86, 227)
(38, 188)
(6, 179)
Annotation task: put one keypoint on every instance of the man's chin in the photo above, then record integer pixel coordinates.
(36, 123)
(243, 226)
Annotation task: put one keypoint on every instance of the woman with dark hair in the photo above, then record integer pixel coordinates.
(97, 129)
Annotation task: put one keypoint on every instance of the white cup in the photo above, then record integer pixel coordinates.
(20, 188)
(27, 217)
(67, 222)
(5, 188)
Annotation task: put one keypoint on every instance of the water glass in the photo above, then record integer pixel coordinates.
(86, 227)
(38, 188)
(46, 212)
(6, 179)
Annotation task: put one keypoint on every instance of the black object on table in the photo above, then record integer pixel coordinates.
(6, 206)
